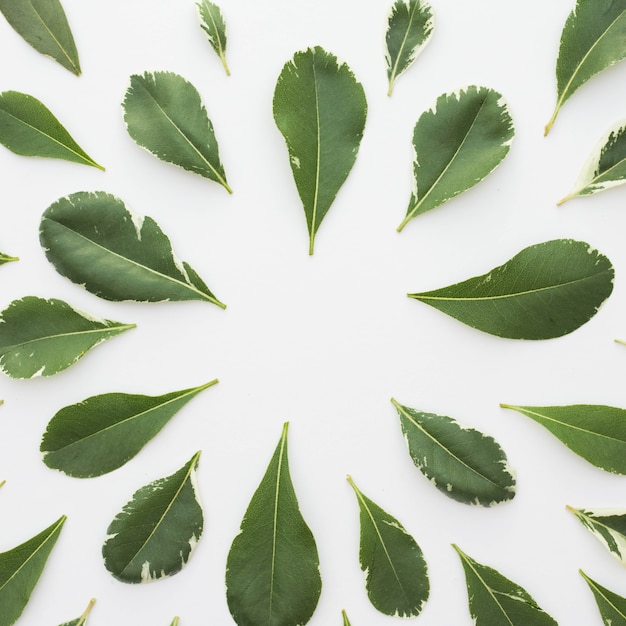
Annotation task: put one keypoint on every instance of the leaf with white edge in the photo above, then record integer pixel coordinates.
(593, 38)
(95, 241)
(612, 607)
(456, 144)
(465, 464)
(395, 569)
(101, 433)
(164, 114)
(409, 29)
(29, 128)
(20, 570)
(213, 24)
(608, 526)
(43, 24)
(40, 337)
(82, 620)
(5, 258)
(346, 621)
(320, 109)
(156, 532)
(272, 571)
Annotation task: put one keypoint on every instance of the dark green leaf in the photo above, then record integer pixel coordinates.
(80, 621)
(611, 606)
(213, 24)
(607, 525)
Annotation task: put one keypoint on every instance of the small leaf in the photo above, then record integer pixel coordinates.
(213, 24)
(80, 621)
(346, 622)
(457, 143)
(607, 525)
(465, 464)
(103, 432)
(96, 242)
(611, 606)
(41, 337)
(155, 533)
(545, 291)
(29, 128)
(394, 565)
(272, 572)
(165, 115)
(320, 109)
(5, 258)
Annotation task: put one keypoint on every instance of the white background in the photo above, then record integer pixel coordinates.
(323, 342)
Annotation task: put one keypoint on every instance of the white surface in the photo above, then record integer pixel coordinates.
(325, 341)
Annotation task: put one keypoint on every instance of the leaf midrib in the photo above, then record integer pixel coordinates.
(317, 158)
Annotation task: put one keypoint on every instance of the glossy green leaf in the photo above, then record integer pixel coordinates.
(611, 606)
(20, 570)
(320, 109)
(272, 571)
(103, 432)
(593, 38)
(156, 532)
(457, 143)
(164, 114)
(497, 601)
(465, 464)
(545, 291)
(607, 525)
(82, 620)
(346, 622)
(213, 24)
(40, 337)
(396, 575)
(43, 24)
(96, 242)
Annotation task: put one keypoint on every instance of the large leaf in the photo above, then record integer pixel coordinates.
(29, 128)
(545, 291)
(607, 525)
(394, 565)
(156, 532)
(82, 620)
(40, 337)
(593, 38)
(103, 432)
(457, 143)
(611, 606)
(272, 571)
(96, 242)
(213, 24)
(461, 462)
(164, 114)
(320, 109)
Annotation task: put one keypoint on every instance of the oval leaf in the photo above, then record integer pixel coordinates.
(463, 463)
(82, 620)
(272, 572)
(96, 242)
(607, 525)
(457, 143)
(213, 24)
(611, 606)
(320, 109)
(155, 533)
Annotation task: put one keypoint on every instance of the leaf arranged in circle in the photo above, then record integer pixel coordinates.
(82, 620)
(608, 526)
(213, 24)
(612, 606)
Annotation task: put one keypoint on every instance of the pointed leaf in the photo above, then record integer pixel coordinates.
(155, 533)
(463, 463)
(82, 620)
(213, 24)
(611, 606)
(608, 525)
(320, 109)
(95, 241)
(346, 622)
(272, 572)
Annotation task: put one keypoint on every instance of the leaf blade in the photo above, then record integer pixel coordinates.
(606, 525)
(213, 24)
(612, 607)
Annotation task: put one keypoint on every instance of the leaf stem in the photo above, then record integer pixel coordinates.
(405, 221)
(3, 483)
(620, 341)
(549, 125)
(566, 198)
(223, 59)
(85, 615)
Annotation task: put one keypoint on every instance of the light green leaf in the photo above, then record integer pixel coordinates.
(496, 600)
(272, 571)
(545, 291)
(409, 29)
(213, 24)
(20, 570)
(29, 128)
(346, 622)
(320, 109)
(5, 258)
(607, 525)
(593, 38)
(394, 565)
(43, 24)
(80, 621)
(40, 337)
(95, 241)
(103, 432)
(155, 533)
(611, 606)
(465, 464)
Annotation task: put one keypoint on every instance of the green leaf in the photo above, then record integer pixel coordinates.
(596, 433)
(320, 109)
(213, 24)
(465, 464)
(409, 29)
(611, 606)
(20, 570)
(394, 565)
(593, 38)
(607, 525)
(496, 600)
(155, 533)
(346, 622)
(103, 432)
(95, 241)
(43, 24)
(272, 571)
(40, 337)
(164, 114)
(545, 291)
(80, 621)
(29, 128)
